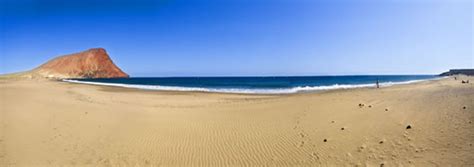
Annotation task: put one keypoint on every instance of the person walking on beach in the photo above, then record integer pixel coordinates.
(377, 83)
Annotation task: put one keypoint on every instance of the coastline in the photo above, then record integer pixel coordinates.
(53, 123)
(264, 91)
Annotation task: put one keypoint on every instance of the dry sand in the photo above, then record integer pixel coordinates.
(47, 123)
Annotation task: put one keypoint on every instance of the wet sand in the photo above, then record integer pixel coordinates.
(49, 123)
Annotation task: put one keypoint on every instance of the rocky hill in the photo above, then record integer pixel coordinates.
(92, 63)
(458, 72)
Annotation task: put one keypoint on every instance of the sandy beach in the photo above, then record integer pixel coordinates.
(51, 123)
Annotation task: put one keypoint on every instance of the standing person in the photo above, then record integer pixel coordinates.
(377, 83)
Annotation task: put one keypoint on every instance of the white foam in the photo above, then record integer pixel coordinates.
(247, 91)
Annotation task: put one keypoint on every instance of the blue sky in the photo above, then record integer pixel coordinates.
(243, 37)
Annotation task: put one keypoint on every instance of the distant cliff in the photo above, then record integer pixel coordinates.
(92, 63)
(458, 72)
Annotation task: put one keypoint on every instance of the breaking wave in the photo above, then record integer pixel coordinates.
(245, 90)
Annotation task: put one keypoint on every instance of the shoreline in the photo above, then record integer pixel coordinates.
(273, 91)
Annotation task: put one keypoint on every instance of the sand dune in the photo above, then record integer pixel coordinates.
(54, 123)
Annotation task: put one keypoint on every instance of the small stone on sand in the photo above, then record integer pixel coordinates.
(370, 106)
(386, 109)
(325, 140)
(464, 107)
(342, 128)
(409, 127)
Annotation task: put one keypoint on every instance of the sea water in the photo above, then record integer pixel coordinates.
(257, 85)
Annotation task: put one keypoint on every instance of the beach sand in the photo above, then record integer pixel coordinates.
(50, 123)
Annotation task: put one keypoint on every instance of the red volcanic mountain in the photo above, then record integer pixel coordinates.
(92, 63)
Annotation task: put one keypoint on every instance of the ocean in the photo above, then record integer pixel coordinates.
(256, 85)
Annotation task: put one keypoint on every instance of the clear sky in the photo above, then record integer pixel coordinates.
(243, 37)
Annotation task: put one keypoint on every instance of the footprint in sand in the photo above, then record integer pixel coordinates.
(315, 155)
(362, 147)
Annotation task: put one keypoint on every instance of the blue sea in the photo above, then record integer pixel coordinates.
(257, 85)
